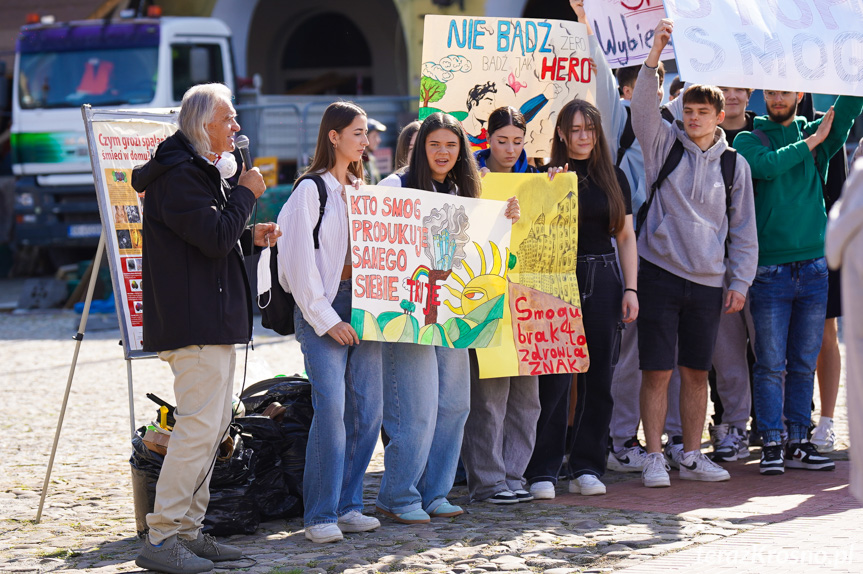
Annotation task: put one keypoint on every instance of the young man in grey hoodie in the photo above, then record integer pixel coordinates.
(682, 249)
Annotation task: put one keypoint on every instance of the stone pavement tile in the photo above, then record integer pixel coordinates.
(827, 541)
(747, 496)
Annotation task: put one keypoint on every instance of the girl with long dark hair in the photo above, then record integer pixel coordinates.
(427, 389)
(604, 213)
(345, 374)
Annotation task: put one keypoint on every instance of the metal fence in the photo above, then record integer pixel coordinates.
(287, 126)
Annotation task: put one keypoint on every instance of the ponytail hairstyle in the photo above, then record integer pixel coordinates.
(505, 116)
(599, 165)
(464, 174)
(337, 116)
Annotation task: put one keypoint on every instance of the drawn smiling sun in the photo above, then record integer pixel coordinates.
(481, 287)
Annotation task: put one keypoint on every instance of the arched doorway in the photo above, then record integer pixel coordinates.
(342, 65)
(328, 47)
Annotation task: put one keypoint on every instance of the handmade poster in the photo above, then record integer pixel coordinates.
(119, 147)
(799, 45)
(624, 29)
(428, 268)
(541, 331)
(473, 65)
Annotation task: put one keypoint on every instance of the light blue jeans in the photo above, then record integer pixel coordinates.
(347, 398)
(426, 403)
(788, 304)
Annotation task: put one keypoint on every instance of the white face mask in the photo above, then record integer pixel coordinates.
(265, 281)
(226, 163)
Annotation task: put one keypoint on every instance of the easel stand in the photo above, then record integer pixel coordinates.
(79, 336)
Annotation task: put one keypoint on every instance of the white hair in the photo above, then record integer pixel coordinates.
(198, 108)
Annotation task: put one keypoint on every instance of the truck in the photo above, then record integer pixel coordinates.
(136, 62)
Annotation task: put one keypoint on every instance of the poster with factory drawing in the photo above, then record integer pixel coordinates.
(428, 268)
(473, 65)
(541, 329)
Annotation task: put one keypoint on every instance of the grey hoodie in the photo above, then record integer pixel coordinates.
(686, 227)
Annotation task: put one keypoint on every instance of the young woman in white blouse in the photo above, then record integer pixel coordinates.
(345, 374)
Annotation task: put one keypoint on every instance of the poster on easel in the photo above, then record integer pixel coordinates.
(119, 141)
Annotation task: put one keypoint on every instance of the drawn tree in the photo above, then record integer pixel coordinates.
(431, 90)
(408, 306)
(448, 229)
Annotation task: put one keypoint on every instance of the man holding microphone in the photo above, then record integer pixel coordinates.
(197, 306)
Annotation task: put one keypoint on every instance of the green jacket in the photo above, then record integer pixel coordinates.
(789, 198)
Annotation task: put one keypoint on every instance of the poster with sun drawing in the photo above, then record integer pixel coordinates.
(428, 268)
(473, 65)
(542, 330)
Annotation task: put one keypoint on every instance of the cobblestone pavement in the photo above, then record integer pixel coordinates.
(88, 523)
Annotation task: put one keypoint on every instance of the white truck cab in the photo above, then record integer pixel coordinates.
(126, 63)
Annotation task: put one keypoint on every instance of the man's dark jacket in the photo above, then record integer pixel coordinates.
(195, 288)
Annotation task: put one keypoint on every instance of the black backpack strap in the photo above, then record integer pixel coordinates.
(627, 138)
(666, 114)
(675, 154)
(728, 163)
(762, 137)
(322, 197)
(673, 158)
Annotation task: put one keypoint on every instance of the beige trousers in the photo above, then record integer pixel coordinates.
(203, 387)
(852, 313)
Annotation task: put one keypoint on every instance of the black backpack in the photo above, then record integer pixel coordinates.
(278, 313)
(627, 138)
(728, 162)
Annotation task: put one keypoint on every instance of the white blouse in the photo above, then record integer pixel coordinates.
(313, 275)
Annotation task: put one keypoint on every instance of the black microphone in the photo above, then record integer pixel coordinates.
(242, 143)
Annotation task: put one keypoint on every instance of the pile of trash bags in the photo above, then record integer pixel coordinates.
(258, 474)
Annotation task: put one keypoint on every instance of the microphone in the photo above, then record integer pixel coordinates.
(242, 143)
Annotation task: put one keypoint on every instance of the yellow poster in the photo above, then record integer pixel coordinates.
(541, 331)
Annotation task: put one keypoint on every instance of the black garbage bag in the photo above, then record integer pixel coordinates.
(295, 394)
(232, 510)
(271, 492)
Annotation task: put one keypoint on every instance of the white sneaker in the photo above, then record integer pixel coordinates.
(673, 452)
(542, 490)
(630, 458)
(655, 471)
(586, 484)
(356, 521)
(824, 437)
(322, 533)
(698, 467)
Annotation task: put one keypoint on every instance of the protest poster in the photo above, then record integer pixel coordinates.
(541, 331)
(428, 268)
(804, 45)
(473, 65)
(624, 29)
(116, 147)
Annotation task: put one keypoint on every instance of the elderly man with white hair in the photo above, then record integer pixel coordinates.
(197, 306)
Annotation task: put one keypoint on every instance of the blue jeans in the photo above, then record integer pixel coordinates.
(453, 407)
(788, 304)
(347, 398)
(426, 403)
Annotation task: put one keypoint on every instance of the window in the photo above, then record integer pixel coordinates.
(194, 64)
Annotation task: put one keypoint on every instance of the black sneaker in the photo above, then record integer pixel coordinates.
(806, 456)
(503, 497)
(771, 459)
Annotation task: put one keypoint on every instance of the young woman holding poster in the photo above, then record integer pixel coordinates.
(503, 410)
(604, 212)
(427, 389)
(345, 374)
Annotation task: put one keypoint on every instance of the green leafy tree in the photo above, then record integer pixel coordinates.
(431, 90)
(408, 306)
